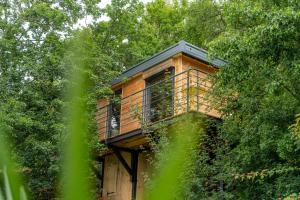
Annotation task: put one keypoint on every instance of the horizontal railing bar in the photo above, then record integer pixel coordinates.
(143, 90)
(168, 79)
(147, 104)
(136, 98)
(122, 103)
(177, 99)
(164, 80)
(155, 84)
(134, 108)
(142, 112)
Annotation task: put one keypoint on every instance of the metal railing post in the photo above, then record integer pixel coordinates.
(144, 108)
(188, 91)
(198, 88)
(109, 113)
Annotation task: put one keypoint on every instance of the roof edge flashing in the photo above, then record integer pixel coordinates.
(180, 47)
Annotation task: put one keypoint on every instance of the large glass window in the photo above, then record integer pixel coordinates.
(159, 96)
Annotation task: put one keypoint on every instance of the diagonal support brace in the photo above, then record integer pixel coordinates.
(123, 161)
(132, 169)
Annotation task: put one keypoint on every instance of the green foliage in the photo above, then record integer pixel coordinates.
(77, 156)
(295, 128)
(256, 153)
(10, 187)
(257, 93)
(31, 84)
(136, 31)
(174, 157)
(34, 40)
(184, 151)
(77, 184)
(9, 193)
(204, 22)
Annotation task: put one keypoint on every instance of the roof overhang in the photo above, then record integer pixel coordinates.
(181, 47)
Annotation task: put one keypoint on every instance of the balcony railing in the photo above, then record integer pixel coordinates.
(164, 99)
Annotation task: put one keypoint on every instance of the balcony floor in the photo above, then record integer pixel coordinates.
(134, 139)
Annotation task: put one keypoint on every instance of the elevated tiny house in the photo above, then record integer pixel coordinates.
(158, 89)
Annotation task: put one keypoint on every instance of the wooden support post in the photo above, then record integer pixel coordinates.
(198, 88)
(122, 160)
(134, 168)
(222, 190)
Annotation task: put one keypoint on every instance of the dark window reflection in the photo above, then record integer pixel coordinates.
(115, 113)
(159, 96)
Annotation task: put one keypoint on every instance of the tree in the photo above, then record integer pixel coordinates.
(257, 95)
(135, 31)
(32, 82)
(204, 22)
(35, 39)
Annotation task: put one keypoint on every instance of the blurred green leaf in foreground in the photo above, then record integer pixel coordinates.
(10, 187)
(76, 173)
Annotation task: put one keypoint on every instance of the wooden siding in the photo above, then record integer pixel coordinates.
(129, 113)
(117, 183)
(160, 67)
(192, 98)
(199, 85)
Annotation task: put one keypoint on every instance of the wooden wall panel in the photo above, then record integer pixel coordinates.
(199, 85)
(131, 105)
(179, 86)
(132, 94)
(158, 68)
(116, 183)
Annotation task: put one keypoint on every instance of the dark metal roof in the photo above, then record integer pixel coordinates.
(180, 47)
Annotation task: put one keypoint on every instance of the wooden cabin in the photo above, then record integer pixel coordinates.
(166, 85)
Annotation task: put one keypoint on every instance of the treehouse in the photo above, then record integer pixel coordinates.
(162, 87)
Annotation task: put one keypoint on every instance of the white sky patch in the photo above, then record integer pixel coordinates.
(125, 41)
(103, 3)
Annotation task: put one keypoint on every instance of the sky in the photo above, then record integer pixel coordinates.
(105, 2)
(88, 19)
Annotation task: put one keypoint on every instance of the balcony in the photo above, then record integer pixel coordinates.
(163, 98)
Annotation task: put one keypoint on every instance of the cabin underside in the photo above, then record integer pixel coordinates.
(126, 170)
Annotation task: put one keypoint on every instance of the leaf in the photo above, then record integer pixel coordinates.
(8, 191)
(23, 195)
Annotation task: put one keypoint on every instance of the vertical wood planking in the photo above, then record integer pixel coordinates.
(131, 105)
